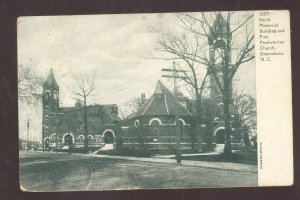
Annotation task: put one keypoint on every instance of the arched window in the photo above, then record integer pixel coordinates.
(137, 123)
(181, 126)
(53, 137)
(182, 121)
(155, 122)
(90, 139)
(46, 128)
(80, 138)
(46, 117)
(220, 75)
(54, 95)
(47, 94)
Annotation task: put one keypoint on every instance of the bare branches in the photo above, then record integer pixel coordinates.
(29, 84)
(246, 106)
(85, 84)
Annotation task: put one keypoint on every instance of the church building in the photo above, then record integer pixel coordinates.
(63, 127)
(153, 126)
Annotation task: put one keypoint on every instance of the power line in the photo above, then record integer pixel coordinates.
(132, 85)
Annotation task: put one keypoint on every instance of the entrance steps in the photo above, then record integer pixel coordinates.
(219, 148)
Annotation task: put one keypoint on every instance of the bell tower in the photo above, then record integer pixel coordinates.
(50, 101)
(218, 37)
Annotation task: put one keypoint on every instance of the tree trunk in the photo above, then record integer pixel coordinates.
(198, 120)
(227, 148)
(85, 126)
(227, 97)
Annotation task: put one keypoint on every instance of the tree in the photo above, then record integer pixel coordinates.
(246, 106)
(29, 84)
(219, 39)
(223, 36)
(184, 48)
(85, 86)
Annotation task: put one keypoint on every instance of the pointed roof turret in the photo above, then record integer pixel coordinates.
(162, 102)
(50, 81)
(218, 30)
(158, 89)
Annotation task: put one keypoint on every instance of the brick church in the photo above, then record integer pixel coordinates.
(152, 127)
(63, 127)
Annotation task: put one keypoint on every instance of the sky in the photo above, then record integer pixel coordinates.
(119, 47)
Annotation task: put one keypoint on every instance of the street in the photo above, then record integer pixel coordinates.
(67, 172)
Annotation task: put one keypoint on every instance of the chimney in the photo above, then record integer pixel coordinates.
(114, 109)
(143, 98)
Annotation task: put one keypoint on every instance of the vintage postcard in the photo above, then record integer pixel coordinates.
(158, 100)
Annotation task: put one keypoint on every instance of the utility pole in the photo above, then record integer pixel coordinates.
(69, 143)
(27, 132)
(175, 75)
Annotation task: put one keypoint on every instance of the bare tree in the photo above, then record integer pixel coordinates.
(29, 84)
(223, 36)
(214, 42)
(134, 104)
(246, 106)
(85, 87)
(185, 48)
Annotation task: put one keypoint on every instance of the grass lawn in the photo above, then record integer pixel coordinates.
(242, 156)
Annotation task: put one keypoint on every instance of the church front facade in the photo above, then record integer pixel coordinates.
(63, 127)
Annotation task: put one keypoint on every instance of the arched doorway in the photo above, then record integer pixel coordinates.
(220, 136)
(68, 139)
(108, 137)
(219, 139)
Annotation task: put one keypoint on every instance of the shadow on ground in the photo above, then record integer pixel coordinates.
(242, 157)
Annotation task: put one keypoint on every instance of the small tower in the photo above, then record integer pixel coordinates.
(50, 108)
(218, 37)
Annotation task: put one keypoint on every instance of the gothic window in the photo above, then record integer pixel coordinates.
(46, 128)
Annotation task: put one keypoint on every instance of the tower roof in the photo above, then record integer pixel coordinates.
(50, 81)
(219, 29)
(162, 102)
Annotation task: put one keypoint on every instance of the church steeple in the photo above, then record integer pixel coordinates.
(50, 106)
(219, 39)
(50, 81)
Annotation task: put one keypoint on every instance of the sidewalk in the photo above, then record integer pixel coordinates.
(205, 164)
(168, 159)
